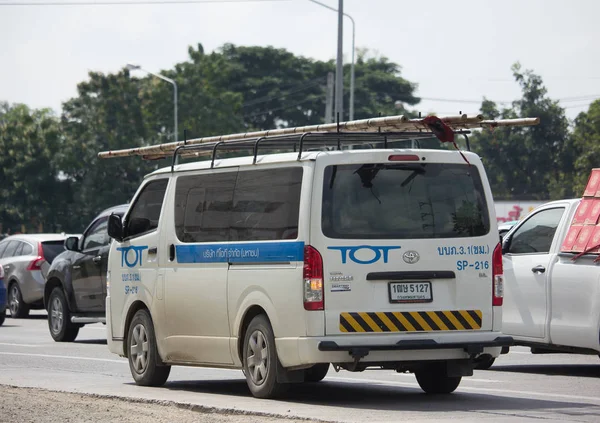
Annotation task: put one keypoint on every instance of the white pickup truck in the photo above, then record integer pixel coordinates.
(551, 303)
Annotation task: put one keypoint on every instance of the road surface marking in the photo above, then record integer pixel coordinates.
(18, 345)
(471, 389)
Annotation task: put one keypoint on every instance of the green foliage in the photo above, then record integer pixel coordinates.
(586, 140)
(528, 162)
(30, 185)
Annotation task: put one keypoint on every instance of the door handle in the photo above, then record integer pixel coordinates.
(97, 259)
(76, 267)
(171, 252)
(152, 250)
(538, 269)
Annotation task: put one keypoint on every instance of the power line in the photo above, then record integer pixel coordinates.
(128, 2)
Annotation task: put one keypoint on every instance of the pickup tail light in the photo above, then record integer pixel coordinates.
(313, 279)
(36, 263)
(497, 277)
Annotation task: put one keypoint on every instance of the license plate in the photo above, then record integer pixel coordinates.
(410, 292)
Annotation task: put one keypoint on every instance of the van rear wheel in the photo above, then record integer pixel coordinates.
(434, 379)
(259, 358)
(144, 362)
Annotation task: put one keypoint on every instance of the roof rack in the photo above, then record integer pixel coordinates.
(381, 130)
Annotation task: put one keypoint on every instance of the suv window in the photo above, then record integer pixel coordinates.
(27, 249)
(97, 236)
(536, 234)
(19, 248)
(145, 212)
(266, 204)
(10, 249)
(202, 207)
(404, 200)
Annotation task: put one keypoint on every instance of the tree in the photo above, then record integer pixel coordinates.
(107, 115)
(30, 183)
(528, 162)
(586, 142)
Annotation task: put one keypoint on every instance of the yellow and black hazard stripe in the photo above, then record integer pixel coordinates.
(411, 321)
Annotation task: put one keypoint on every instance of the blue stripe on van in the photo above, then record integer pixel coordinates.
(253, 252)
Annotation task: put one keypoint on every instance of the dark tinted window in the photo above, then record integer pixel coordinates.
(145, 213)
(11, 249)
(266, 204)
(52, 249)
(203, 206)
(536, 234)
(403, 200)
(97, 236)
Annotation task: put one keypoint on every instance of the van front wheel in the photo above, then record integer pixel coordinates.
(142, 352)
(260, 360)
(433, 379)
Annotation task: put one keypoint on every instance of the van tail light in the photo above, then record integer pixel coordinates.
(313, 279)
(36, 263)
(497, 277)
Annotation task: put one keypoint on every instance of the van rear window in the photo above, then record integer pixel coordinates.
(403, 201)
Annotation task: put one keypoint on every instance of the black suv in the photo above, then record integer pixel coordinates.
(75, 290)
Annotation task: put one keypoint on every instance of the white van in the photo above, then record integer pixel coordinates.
(282, 264)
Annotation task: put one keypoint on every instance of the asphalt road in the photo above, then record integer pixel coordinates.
(520, 387)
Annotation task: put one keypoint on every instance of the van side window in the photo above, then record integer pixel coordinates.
(203, 206)
(145, 212)
(536, 234)
(266, 204)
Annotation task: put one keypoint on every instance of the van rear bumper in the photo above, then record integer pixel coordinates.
(417, 344)
(301, 351)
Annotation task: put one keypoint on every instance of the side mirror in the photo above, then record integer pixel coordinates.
(115, 227)
(72, 243)
(505, 245)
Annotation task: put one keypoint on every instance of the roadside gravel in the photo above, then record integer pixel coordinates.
(26, 405)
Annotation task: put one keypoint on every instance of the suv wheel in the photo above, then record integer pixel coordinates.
(144, 362)
(433, 379)
(259, 359)
(59, 318)
(18, 308)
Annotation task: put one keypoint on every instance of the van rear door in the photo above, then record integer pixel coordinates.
(406, 241)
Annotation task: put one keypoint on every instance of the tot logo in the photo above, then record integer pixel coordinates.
(132, 260)
(378, 253)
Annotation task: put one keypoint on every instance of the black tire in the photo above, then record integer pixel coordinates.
(316, 373)
(2, 317)
(17, 307)
(262, 383)
(145, 366)
(484, 362)
(434, 380)
(59, 318)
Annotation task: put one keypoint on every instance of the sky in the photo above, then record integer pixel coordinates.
(456, 51)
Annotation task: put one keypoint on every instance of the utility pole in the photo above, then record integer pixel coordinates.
(329, 99)
(339, 73)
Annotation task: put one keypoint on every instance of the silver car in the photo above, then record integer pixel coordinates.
(26, 260)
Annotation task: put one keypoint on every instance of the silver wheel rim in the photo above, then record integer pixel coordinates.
(56, 315)
(138, 351)
(257, 359)
(14, 300)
